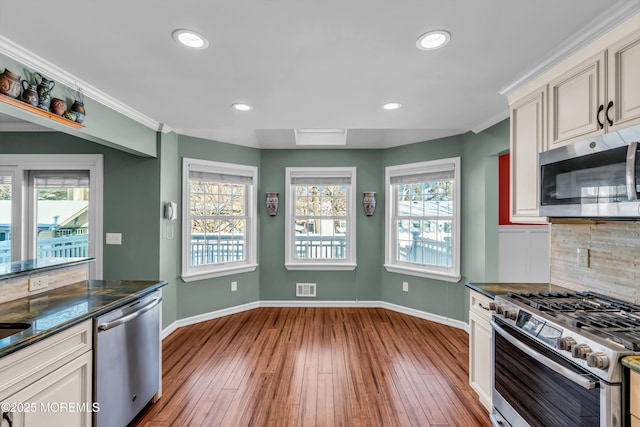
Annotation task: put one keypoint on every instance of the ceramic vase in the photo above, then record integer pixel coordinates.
(44, 91)
(30, 94)
(272, 204)
(58, 106)
(10, 84)
(78, 108)
(369, 202)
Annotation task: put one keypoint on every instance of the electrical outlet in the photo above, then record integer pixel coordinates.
(37, 283)
(405, 286)
(234, 286)
(583, 257)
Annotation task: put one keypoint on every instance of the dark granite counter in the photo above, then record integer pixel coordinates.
(493, 289)
(53, 311)
(30, 266)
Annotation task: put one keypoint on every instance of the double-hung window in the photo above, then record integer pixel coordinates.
(219, 219)
(422, 230)
(320, 230)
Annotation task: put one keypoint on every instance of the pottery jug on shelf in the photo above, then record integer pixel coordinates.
(78, 108)
(30, 93)
(44, 91)
(10, 84)
(58, 106)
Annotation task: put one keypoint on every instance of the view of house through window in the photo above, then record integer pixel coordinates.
(62, 213)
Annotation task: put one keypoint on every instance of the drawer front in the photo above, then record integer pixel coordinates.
(479, 304)
(634, 393)
(20, 369)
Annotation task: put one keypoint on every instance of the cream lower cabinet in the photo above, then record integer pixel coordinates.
(527, 141)
(50, 382)
(480, 347)
(634, 398)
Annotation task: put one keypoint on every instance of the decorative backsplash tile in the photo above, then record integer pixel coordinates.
(614, 258)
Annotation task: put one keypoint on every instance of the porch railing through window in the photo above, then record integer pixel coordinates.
(53, 247)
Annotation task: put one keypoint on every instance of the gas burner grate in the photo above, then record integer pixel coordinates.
(572, 301)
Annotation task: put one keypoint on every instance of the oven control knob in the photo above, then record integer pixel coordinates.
(493, 305)
(565, 343)
(597, 359)
(500, 309)
(511, 313)
(580, 351)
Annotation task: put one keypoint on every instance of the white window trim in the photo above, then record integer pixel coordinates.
(430, 272)
(19, 163)
(191, 274)
(349, 263)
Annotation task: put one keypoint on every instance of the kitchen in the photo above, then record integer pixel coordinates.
(137, 186)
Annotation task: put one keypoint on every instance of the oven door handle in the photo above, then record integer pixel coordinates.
(558, 368)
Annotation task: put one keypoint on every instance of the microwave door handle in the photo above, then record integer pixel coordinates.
(632, 149)
(581, 380)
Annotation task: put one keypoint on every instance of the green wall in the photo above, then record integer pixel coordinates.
(131, 203)
(362, 284)
(137, 187)
(208, 295)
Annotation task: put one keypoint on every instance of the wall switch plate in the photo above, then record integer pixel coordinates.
(113, 239)
(583, 257)
(37, 283)
(234, 286)
(405, 286)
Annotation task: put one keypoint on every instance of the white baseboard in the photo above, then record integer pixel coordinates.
(319, 304)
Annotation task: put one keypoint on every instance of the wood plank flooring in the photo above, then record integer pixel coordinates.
(316, 367)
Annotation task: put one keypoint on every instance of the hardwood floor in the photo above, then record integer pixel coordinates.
(316, 367)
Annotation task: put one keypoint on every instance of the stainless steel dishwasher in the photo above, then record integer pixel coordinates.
(127, 360)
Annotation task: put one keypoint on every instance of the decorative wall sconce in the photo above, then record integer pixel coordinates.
(272, 203)
(369, 202)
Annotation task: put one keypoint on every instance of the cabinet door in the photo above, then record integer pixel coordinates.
(62, 398)
(624, 82)
(480, 358)
(577, 103)
(527, 141)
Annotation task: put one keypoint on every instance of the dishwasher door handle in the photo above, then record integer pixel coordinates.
(124, 319)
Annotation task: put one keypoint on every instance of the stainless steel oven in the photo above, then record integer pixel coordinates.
(556, 359)
(533, 386)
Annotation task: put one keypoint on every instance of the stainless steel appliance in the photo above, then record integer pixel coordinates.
(556, 359)
(126, 360)
(595, 178)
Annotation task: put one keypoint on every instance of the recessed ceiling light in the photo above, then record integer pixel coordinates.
(392, 106)
(190, 39)
(242, 107)
(433, 40)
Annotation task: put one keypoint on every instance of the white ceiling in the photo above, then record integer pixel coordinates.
(306, 63)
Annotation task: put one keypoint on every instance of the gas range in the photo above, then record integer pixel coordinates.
(590, 330)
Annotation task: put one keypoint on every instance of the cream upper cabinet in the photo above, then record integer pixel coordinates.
(599, 95)
(527, 141)
(576, 102)
(624, 82)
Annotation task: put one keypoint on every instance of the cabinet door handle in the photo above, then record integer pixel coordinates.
(483, 306)
(600, 109)
(8, 417)
(607, 113)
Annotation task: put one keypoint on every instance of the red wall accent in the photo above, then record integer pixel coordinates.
(504, 193)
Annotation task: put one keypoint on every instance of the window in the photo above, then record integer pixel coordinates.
(51, 206)
(219, 219)
(320, 209)
(422, 228)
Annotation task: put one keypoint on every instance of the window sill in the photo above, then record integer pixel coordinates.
(219, 272)
(422, 273)
(318, 266)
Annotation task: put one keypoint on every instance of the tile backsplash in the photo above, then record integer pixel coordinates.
(614, 258)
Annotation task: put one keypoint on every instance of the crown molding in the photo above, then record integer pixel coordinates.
(491, 121)
(35, 62)
(616, 14)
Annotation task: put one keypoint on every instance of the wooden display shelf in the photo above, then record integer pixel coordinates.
(39, 111)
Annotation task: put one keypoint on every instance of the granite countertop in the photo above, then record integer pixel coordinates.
(53, 311)
(491, 289)
(29, 266)
(632, 362)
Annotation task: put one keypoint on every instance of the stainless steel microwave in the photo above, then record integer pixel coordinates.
(595, 178)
